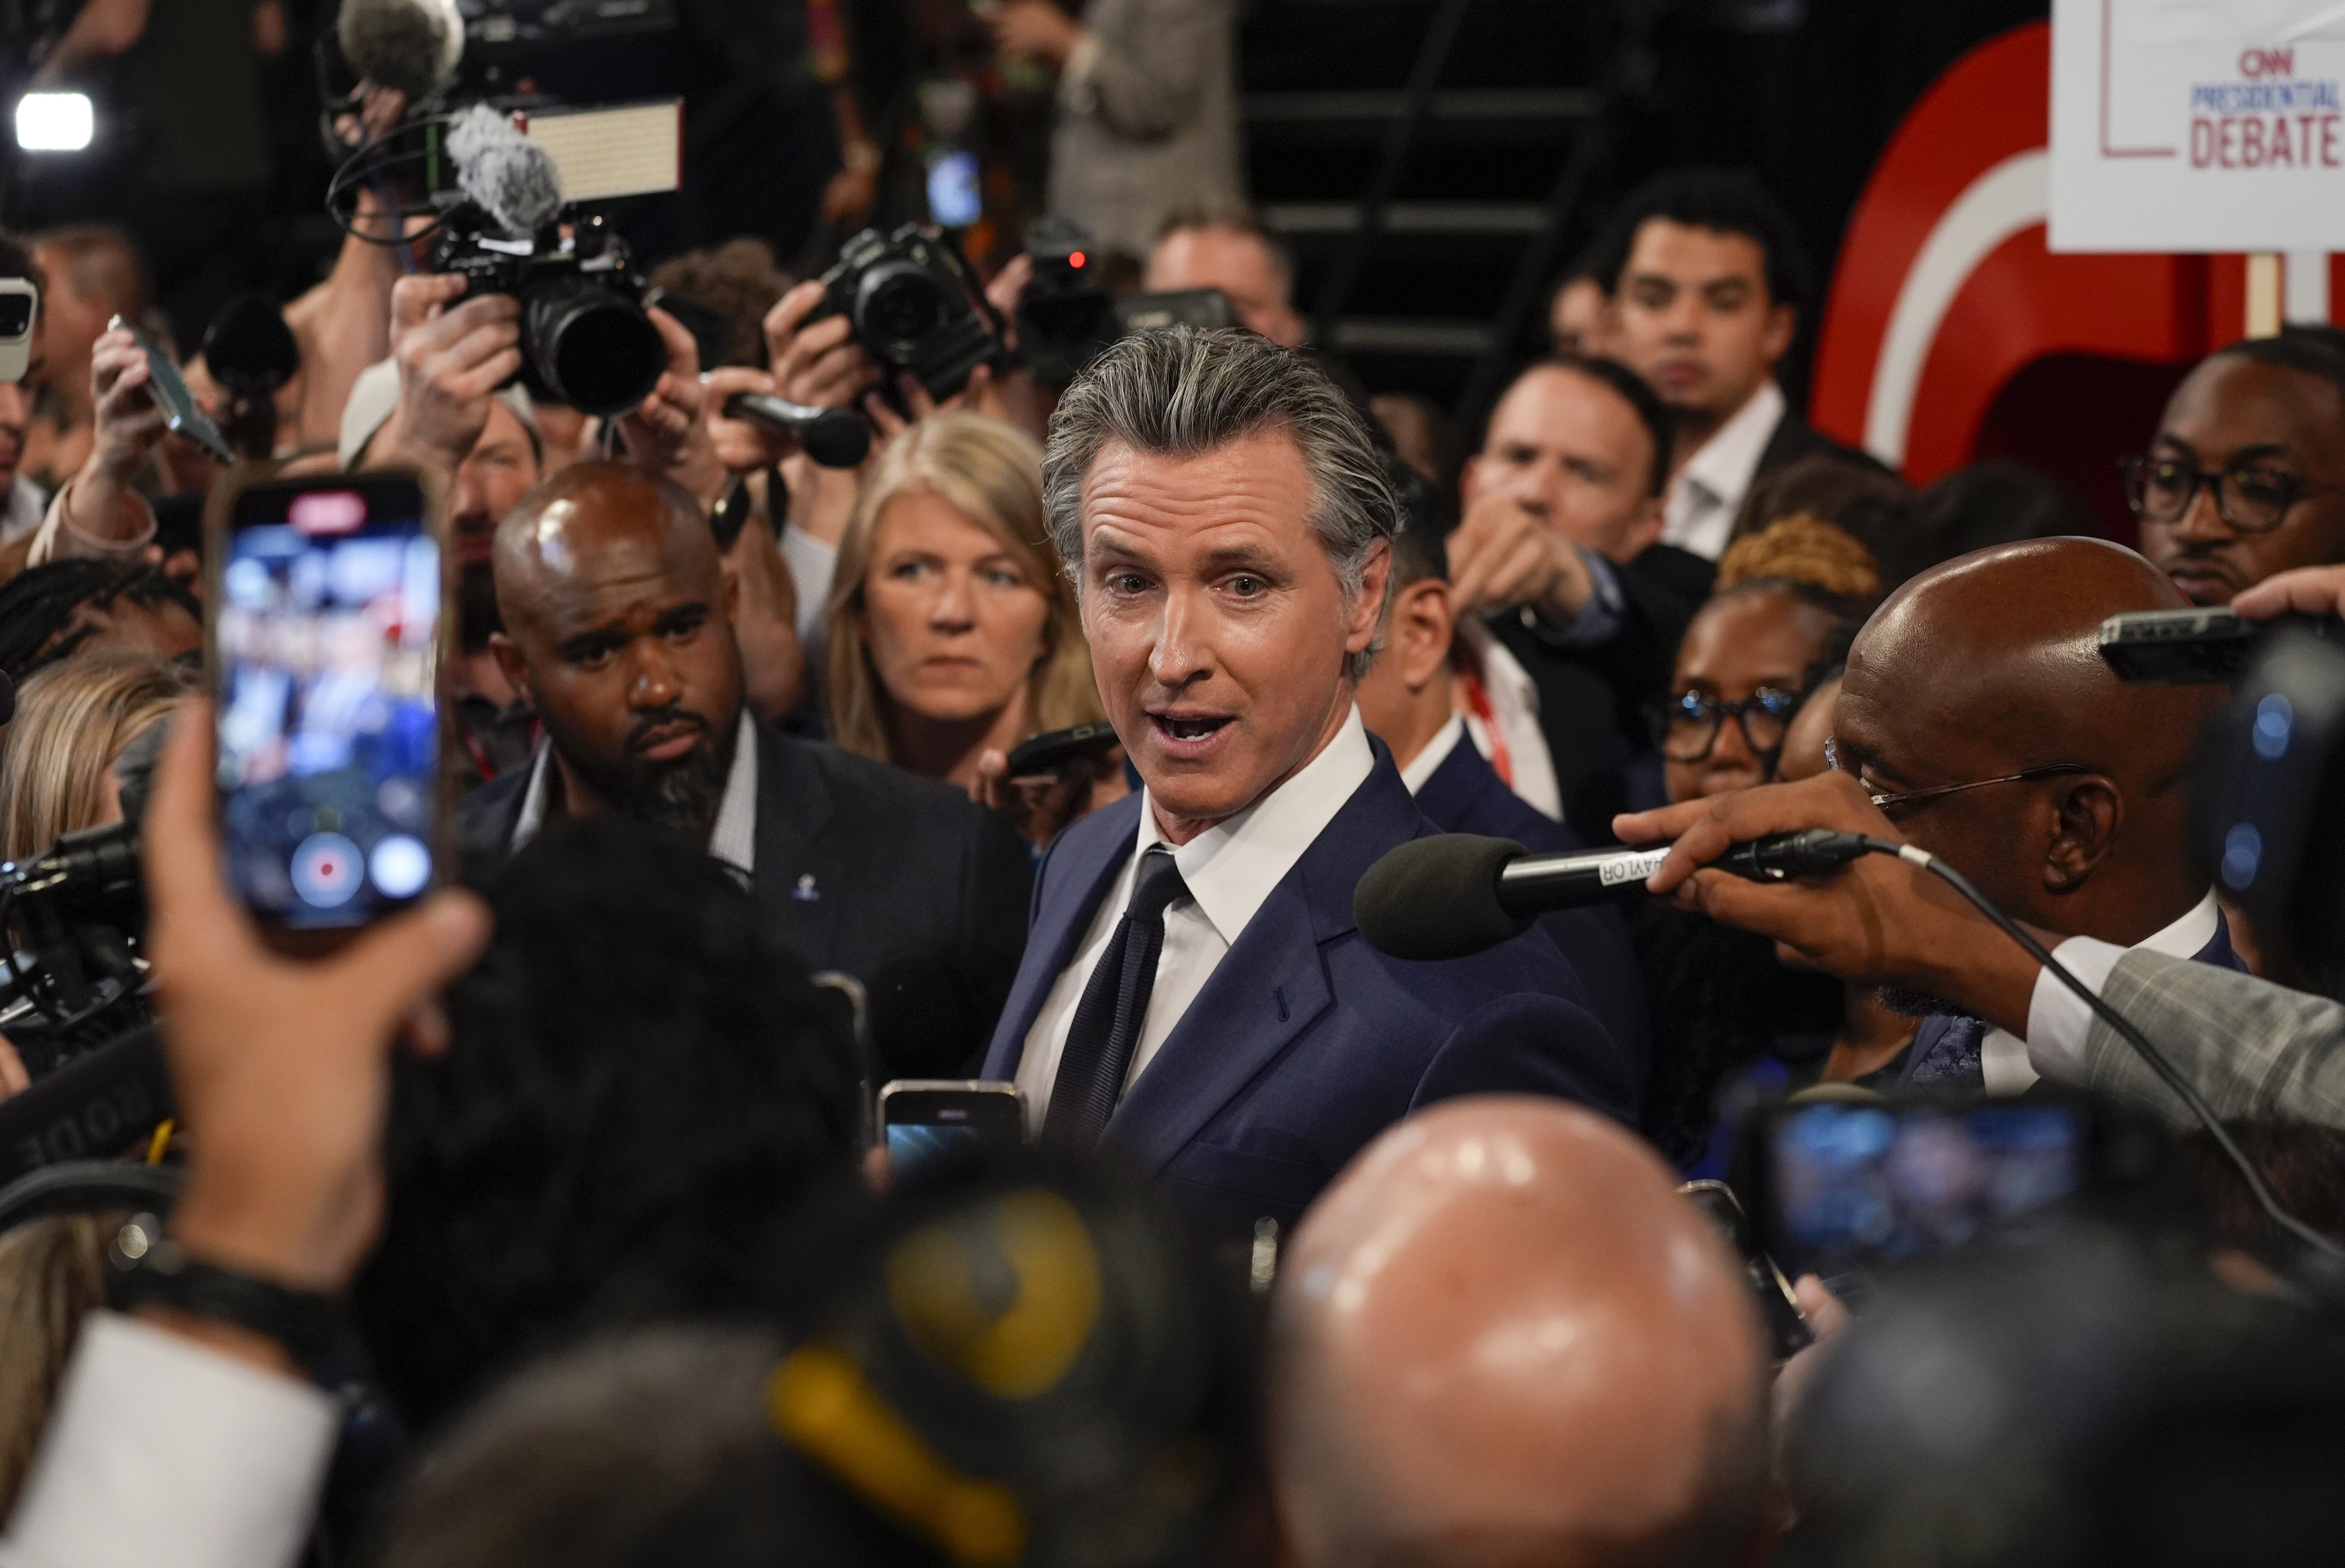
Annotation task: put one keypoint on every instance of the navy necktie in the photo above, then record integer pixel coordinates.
(1107, 1023)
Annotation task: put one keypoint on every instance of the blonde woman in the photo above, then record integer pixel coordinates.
(953, 632)
(57, 757)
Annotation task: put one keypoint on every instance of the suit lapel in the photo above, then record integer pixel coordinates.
(1072, 881)
(1268, 988)
(794, 864)
(1272, 983)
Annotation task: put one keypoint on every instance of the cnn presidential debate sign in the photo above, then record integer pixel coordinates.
(2197, 125)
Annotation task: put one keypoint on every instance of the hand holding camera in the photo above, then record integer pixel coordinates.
(452, 354)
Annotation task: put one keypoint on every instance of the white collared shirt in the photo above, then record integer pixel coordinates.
(161, 1449)
(732, 840)
(1429, 760)
(2010, 1064)
(1709, 490)
(1229, 869)
(1515, 714)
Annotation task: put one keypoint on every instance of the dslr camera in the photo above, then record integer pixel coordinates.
(585, 337)
(1066, 318)
(915, 304)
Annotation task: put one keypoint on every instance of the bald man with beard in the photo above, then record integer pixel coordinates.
(618, 619)
(1502, 1340)
(1978, 711)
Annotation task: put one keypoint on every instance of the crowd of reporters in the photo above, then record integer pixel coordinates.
(1319, 1256)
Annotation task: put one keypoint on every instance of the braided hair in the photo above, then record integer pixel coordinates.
(36, 607)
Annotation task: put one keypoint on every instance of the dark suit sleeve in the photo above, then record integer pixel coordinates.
(997, 905)
(1530, 1044)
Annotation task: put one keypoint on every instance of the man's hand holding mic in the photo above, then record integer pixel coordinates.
(452, 354)
(1879, 920)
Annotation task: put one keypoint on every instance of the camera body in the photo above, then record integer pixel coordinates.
(585, 337)
(73, 918)
(914, 305)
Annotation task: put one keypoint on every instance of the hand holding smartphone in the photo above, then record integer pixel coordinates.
(325, 644)
(182, 415)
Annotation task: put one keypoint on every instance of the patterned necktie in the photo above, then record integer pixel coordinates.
(1107, 1023)
(1954, 1059)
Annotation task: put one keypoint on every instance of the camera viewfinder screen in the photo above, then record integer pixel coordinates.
(325, 638)
(1860, 1184)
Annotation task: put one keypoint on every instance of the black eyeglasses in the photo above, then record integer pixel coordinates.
(2248, 499)
(1890, 804)
(1686, 727)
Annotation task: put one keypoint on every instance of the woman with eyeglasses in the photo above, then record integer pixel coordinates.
(1732, 1023)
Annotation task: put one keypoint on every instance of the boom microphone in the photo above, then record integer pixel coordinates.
(1454, 894)
(834, 437)
(410, 45)
(514, 180)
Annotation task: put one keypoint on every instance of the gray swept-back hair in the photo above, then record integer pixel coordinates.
(1184, 393)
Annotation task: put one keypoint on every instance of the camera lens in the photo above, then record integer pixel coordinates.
(898, 309)
(15, 315)
(590, 347)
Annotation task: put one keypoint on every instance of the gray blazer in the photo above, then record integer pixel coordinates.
(1152, 126)
(2249, 1047)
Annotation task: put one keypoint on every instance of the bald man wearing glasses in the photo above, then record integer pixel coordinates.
(1978, 711)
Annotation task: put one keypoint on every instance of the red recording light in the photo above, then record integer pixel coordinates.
(1075, 259)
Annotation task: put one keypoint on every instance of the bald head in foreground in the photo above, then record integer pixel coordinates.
(1502, 1340)
(1976, 699)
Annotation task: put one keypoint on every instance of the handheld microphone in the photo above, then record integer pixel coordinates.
(833, 437)
(1454, 894)
(410, 45)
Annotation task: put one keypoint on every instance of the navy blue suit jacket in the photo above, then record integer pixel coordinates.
(1306, 1042)
(1465, 795)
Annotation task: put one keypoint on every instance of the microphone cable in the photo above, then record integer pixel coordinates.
(1830, 849)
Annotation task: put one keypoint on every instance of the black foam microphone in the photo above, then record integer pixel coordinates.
(411, 45)
(834, 437)
(1454, 894)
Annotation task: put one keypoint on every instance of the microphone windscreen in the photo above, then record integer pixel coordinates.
(1437, 897)
(411, 45)
(248, 347)
(512, 177)
(839, 438)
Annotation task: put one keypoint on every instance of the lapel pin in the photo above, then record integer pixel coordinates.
(806, 892)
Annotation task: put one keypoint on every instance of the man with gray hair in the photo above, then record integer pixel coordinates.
(1195, 993)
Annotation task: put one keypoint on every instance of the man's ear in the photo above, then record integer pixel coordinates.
(2091, 811)
(1644, 533)
(1422, 628)
(1368, 608)
(1782, 321)
(516, 669)
(731, 595)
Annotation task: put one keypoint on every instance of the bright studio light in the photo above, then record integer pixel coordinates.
(54, 122)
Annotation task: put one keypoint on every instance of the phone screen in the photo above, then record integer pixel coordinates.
(1855, 1183)
(324, 648)
(956, 197)
(928, 1121)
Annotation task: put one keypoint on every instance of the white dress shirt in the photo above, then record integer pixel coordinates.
(1229, 868)
(1435, 751)
(1709, 490)
(2057, 1019)
(732, 840)
(161, 1451)
(1514, 716)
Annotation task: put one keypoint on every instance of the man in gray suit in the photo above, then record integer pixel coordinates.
(1148, 110)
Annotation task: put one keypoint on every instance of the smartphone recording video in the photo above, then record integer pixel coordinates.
(1849, 1187)
(929, 1120)
(325, 658)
